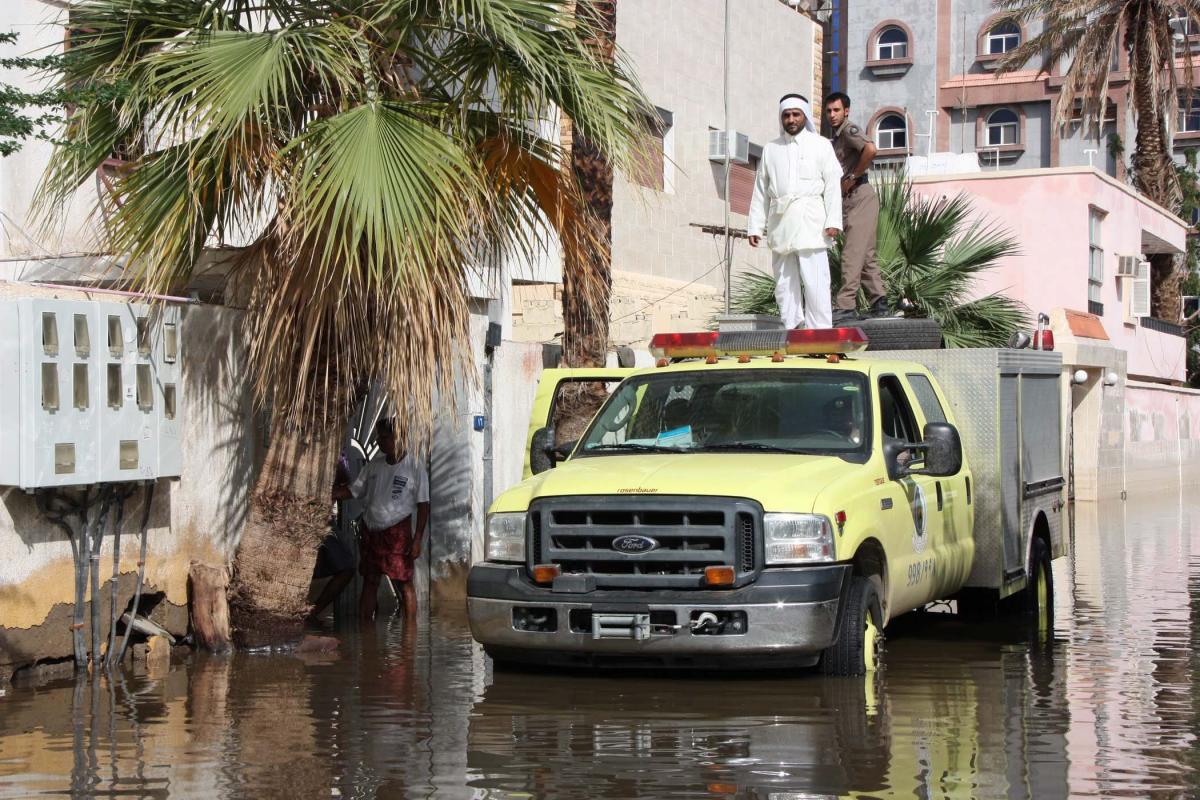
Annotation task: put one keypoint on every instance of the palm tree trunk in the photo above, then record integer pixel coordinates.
(587, 272)
(1155, 177)
(289, 514)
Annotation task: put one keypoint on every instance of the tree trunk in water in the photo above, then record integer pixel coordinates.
(290, 510)
(587, 276)
(1155, 177)
(209, 606)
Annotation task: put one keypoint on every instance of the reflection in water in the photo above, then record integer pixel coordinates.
(1105, 709)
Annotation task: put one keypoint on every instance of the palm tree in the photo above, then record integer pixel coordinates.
(1087, 33)
(373, 152)
(930, 253)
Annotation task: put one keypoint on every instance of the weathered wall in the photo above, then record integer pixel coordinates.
(1162, 439)
(197, 518)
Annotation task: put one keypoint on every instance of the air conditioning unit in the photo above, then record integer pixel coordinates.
(1139, 291)
(1127, 266)
(719, 141)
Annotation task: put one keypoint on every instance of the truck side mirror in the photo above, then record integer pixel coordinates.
(943, 450)
(543, 454)
(892, 451)
(540, 449)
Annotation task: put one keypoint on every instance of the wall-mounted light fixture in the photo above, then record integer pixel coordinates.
(1078, 377)
(1111, 378)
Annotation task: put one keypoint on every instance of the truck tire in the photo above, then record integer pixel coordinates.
(1039, 594)
(899, 333)
(859, 648)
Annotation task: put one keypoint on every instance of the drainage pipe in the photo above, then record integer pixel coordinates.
(97, 539)
(123, 495)
(137, 592)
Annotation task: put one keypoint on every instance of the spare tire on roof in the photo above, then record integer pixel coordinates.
(900, 333)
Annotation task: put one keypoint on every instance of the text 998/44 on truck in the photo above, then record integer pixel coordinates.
(767, 499)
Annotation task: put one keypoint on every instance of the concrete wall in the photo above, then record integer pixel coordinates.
(1048, 211)
(675, 48)
(197, 518)
(1162, 439)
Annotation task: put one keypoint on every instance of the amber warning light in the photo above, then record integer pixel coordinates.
(807, 341)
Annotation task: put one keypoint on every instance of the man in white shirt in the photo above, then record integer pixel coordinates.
(797, 206)
(393, 487)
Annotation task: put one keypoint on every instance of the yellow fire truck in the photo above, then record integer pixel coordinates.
(774, 498)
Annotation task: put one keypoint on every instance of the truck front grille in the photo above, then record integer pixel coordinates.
(688, 534)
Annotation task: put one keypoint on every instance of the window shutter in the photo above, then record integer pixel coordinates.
(648, 165)
(741, 187)
(1139, 298)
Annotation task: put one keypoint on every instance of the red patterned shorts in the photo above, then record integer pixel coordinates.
(387, 552)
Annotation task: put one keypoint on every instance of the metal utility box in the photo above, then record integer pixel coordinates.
(91, 391)
(1008, 408)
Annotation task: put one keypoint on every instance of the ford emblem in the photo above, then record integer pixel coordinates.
(633, 543)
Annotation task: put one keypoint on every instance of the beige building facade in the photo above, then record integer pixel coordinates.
(667, 273)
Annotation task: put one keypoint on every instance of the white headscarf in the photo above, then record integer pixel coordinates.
(794, 102)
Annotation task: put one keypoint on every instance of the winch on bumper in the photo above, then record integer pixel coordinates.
(785, 616)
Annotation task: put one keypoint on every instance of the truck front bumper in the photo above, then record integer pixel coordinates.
(788, 617)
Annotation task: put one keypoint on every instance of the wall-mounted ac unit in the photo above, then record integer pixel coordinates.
(1127, 266)
(1138, 291)
(718, 141)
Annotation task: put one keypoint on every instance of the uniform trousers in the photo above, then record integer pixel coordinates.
(802, 288)
(860, 215)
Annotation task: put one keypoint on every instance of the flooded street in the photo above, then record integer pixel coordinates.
(1105, 709)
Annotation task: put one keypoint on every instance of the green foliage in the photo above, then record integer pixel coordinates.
(375, 152)
(930, 253)
(28, 115)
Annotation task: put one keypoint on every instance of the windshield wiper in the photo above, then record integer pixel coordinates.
(769, 448)
(638, 446)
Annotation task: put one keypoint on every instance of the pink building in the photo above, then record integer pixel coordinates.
(1084, 237)
(1074, 225)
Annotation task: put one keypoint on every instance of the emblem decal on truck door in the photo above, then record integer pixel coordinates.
(919, 513)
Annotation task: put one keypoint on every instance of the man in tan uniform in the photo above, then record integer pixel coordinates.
(860, 214)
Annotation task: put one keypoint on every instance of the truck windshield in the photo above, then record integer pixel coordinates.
(768, 410)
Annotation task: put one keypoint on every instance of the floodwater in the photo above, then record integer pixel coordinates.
(1106, 709)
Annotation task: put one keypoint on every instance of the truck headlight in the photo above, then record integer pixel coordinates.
(797, 538)
(504, 537)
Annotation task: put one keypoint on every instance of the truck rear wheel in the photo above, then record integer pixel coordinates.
(859, 648)
(1039, 594)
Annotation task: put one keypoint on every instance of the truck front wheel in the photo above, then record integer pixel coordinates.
(859, 648)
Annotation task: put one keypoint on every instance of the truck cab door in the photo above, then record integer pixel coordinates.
(545, 405)
(955, 548)
(916, 517)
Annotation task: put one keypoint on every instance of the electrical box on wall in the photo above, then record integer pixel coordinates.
(91, 391)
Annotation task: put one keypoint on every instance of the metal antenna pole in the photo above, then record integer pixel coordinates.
(728, 145)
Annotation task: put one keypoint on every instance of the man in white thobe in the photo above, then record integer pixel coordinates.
(797, 206)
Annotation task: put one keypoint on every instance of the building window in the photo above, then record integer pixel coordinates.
(1003, 126)
(1182, 24)
(650, 165)
(741, 182)
(1002, 38)
(1095, 261)
(1189, 114)
(891, 133)
(891, 44)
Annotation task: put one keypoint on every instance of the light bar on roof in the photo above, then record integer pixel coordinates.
(684, 345)
(808, 341)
